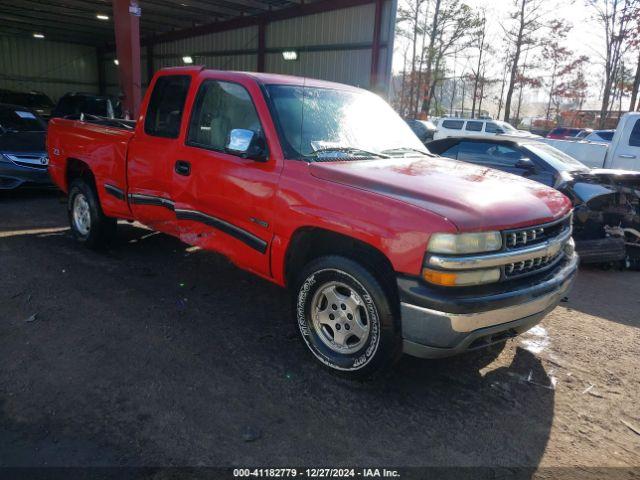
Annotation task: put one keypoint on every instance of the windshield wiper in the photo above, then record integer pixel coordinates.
(355, 150)
(405, 149)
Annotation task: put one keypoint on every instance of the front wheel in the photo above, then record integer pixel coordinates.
(346, 318)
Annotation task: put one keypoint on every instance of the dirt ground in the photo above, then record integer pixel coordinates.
(155, 354)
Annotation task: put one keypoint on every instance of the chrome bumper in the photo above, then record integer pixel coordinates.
(429, 333)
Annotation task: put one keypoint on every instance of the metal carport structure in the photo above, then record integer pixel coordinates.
(350, 41)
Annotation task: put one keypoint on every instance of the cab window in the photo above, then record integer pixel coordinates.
(493, 128)
(634, 138)
(474, 126)
(166, 105)
(452, 124)
(219, 108)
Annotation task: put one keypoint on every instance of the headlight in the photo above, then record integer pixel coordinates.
(461, 278)
(465, 242)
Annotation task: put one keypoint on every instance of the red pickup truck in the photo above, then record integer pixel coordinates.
(322, 188)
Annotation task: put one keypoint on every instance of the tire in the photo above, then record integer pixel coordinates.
(89, 225)
(346, 318)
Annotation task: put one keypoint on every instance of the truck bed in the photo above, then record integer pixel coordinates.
(591, 154)
(100, 144)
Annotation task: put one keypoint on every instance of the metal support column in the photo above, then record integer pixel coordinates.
(126, 16)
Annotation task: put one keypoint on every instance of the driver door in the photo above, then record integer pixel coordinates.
(224, 202)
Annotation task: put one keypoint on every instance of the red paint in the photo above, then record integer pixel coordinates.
(392, 205)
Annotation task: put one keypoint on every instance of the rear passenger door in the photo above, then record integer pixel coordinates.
(225, 202)
(152, 153)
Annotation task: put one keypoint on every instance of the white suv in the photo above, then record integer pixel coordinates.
(463, 127)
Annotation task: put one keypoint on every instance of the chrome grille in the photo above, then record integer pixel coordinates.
(38, 161)
(530, 266)
(524, 237)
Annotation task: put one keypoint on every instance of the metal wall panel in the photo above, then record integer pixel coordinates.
(51, 67)
(350, 66)
(334, 45)
(348, 25)
(241, 39)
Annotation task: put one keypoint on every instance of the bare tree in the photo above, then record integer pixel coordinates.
(616, 18)
(636, 87)
(454, 25)
(481, 37)
(522, 37)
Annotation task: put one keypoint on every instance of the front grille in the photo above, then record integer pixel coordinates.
(526, 236)
(519, 238)
(532, 265)
(37, 161)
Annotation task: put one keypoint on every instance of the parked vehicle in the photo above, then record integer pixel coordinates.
(74, 104)
(622, 153)
(37, 102)
(600, 136)
(568, 133)
(607, 202)
(23, 157)
(463, 127)
(323, 188)
(424, 129)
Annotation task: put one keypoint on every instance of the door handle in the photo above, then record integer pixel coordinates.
(624, 155)
(183, 168)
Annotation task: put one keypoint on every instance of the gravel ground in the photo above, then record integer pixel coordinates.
(156, 354)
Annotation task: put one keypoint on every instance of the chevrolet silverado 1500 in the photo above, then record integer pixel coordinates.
(322, 188)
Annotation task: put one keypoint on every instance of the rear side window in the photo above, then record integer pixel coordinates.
(608, 136)
(474, 126)
(452, 124)
(489, 154)
(166, 105)
(221, 107)
(634, 139)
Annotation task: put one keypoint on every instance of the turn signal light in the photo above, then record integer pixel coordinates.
(461, 278)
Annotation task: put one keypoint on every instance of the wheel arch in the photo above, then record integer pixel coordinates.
(308, 243)
(76, 168)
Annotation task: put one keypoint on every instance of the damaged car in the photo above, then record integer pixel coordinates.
(606, 202)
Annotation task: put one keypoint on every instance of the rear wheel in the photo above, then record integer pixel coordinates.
(89, 225)
(346, 318)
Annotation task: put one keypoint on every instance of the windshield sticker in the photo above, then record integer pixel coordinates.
(25, 115)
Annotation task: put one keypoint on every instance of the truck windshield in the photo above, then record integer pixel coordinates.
(325, 123)
(557, 159)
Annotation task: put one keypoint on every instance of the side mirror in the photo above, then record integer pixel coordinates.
(525, 164)
(247, 144)
(500, 131)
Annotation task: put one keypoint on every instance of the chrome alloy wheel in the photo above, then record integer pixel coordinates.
(81, 214)
(340, 318)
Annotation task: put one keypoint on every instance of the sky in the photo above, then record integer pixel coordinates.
(584, 39)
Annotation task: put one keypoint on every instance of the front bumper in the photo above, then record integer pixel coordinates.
(13, 176)
(436, 325)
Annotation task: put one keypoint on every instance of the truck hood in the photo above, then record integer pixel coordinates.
(469, 196)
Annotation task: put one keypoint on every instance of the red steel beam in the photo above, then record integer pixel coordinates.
(375, 47)
(127, 32)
